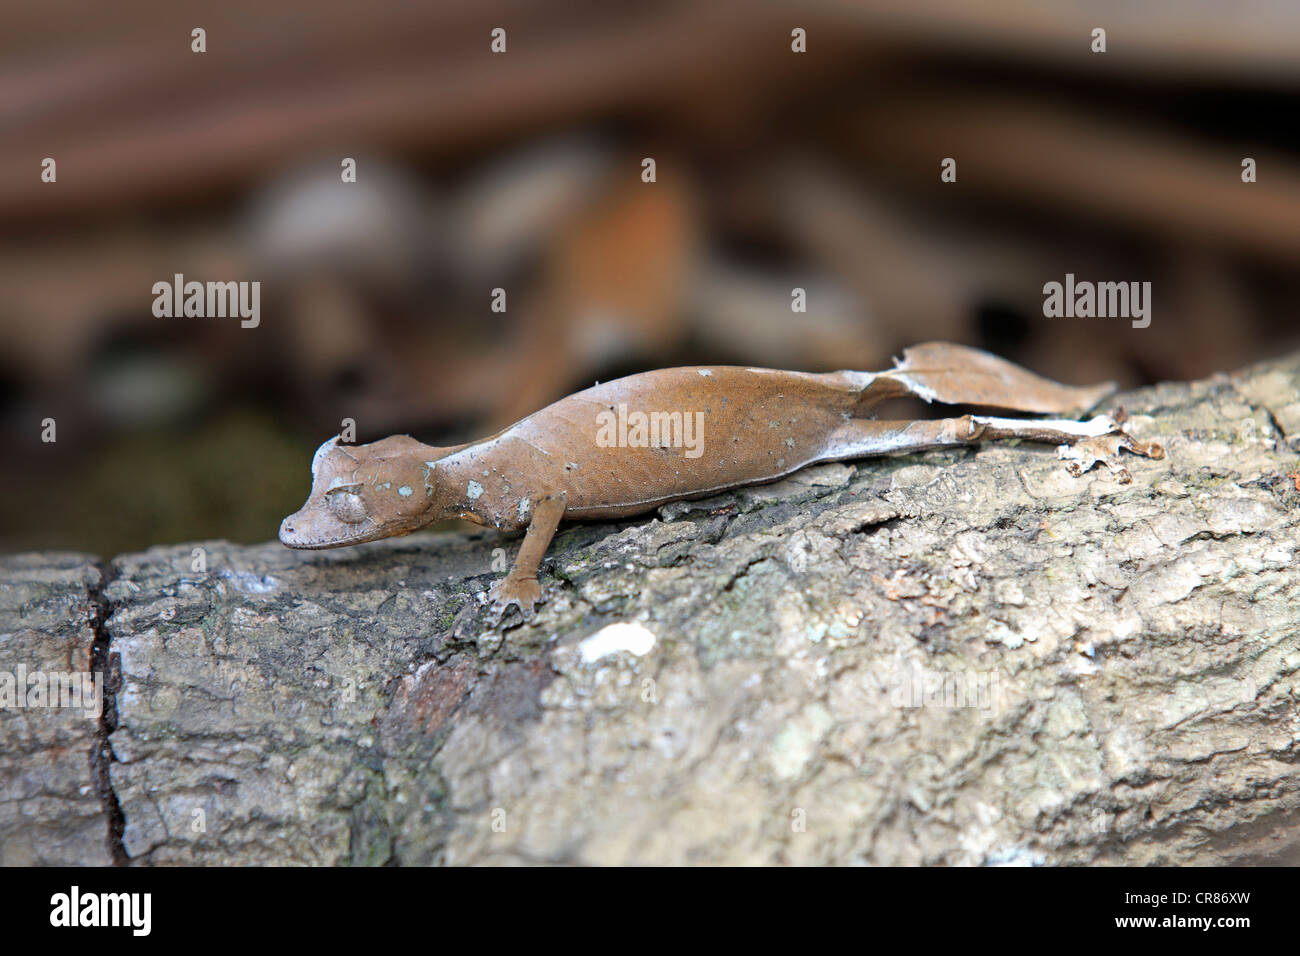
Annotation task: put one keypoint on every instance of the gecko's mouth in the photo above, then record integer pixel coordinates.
(312, 530)
(305, 533)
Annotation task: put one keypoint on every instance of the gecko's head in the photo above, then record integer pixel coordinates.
(362, 493)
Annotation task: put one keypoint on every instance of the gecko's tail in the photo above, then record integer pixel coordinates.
(958, 375)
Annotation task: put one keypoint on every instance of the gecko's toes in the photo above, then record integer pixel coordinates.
(523, 593)
(1082, 455)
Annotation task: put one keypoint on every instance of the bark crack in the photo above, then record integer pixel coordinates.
(102, 661)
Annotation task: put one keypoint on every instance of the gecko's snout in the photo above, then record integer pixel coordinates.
(307, 530)
(292, 532)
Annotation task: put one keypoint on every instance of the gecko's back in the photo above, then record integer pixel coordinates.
(628, 445)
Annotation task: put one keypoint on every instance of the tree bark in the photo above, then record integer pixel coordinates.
(961, 657)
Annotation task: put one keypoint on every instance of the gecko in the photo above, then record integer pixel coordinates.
(628, 446)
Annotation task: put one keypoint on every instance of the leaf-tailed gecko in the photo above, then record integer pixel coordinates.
(628, 446)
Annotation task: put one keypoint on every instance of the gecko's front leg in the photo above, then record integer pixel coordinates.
(520, 587)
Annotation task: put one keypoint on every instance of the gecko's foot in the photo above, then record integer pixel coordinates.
(1082, 455)
(524, 593)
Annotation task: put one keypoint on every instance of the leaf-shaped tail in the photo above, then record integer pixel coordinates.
(958, 375)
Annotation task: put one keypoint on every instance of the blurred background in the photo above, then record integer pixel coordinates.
(523, 170)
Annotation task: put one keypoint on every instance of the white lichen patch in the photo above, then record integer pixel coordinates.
(1001, 633)
(615, 638)
(795, 745)
(250, 583)
(1014, 856)
(1009, 592)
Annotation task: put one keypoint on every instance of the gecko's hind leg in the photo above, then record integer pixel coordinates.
(1099, 439)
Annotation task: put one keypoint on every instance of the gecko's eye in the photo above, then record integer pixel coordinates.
(346, 505)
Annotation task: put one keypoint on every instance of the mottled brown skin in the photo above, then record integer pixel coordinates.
(757, 425)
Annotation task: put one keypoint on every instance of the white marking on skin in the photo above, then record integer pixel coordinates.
(921, 391)
(524, 505)
(404, 491)
(706, 372)
(1093, 428)
(859, 379)
(474, 490)
(622, 636)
